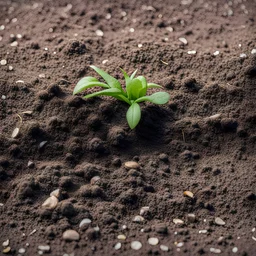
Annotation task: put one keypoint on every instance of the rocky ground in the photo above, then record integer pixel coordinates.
(75, 180)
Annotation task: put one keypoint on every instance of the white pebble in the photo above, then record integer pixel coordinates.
(44, 248)
(180, 244)
(235, 250)
(104, 62)
(253, 51)
(140, 45)
(50, 30)
(203, 231)
(121, 237)
(192, 52)
(22, 250)
(183, 40)
(253, 230)
(42, 144)
(123, 13)
(178, 221)
(99, 32)
(19, 36)
(216, 53)
(144, 209)
(170, 29)
(253, 238)
(6, 243)
(41, 75)
(10, 68)
(2, 27)
(136, 245)
(70, 235)
(46, 49)
(14, 44)
(84, 222)
(3, 62)
(153, 241)
(243, 55)
(3, 97)
(131, 165)
(219, 221)
(118, 246)
(124, 227)
(164, 248)
(55, 193)
(131, 30)
(14, 20)
(138, 219)
(15, 132)
(50, 203)
(108, 16)
(214, 250)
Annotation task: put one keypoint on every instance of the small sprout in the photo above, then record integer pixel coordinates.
(136, 92)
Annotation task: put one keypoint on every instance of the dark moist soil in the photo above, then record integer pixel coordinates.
(202, 141)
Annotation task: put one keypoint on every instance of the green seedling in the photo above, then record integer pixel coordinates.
(136, 92)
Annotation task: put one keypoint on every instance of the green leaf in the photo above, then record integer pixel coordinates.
(107, 92)
(126, 77)
(133, 115)
(143, 90)
(133, 74)
(152, 85)
(122, 98)
(111, 81)
(133, 89)
(87, 82)
(157, 98)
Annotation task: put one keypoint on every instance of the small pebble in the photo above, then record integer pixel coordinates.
(216, 53)
(178, 221)
(124, 227)
(121, 237)
(85, 222)
(108, 16)
(118, 246)
(131, 30)
(191, 217)
(138, 219)
(19, 36)
(143, 210)
(214, 250)
(219, 221)
(253, 238)
(183, 40)
(6, 243)
(253, 51)
(44, 248)
(104, 62)
(136, 245)
(50, 203)
(70, 235)
(22, 250)
(10, 68)
(235, 250)
(41, 75)
(99, 32)
(243, 55)
(15, 132)
(170, 29)
(55, 193)
(94, 179)
(192, 52)
(32, 232)
(14, 44)
(42, 144)
(7, 249)
(203, 231)
(140, 45)
(131, 165)
(188, 193)
(3, 62)
(164, 248)
(3, 97)
(253, 230)
(180, 244)
(153, 241)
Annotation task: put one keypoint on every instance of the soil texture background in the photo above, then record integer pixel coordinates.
(203, 141)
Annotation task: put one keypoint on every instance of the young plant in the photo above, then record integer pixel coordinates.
(136, 92)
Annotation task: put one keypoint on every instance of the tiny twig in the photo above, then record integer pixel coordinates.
(183, 135)
(164, 62)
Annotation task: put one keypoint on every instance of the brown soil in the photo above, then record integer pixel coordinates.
(178, 146)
